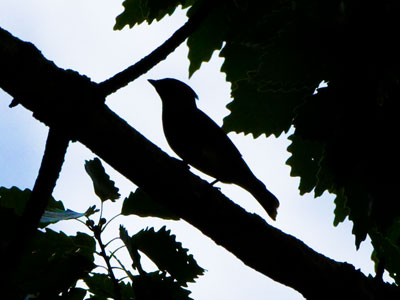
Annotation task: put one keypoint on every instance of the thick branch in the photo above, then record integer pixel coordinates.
(53, 159)
(279, 256)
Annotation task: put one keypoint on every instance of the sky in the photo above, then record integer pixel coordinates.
(79, 35)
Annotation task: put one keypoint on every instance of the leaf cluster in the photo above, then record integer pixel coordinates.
(54, 263)
(276, 54)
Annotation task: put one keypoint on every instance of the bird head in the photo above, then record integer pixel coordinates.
(174, 92)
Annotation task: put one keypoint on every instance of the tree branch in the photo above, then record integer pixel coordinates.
(145, 64)
(281, 257)
(53, 158)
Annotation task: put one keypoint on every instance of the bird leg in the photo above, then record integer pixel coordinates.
(214, 182)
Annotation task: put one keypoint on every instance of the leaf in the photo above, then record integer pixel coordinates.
(304, 161)
(341, 209)
(289, 61)
(54, 215)
(14, 199)
(359, 206)
(104, 187)
(141, 204)
(53, 263)
(158, 286)
(317, 117)
(102, 286)
(137, 11)
(168, 254)
(270, 61)
(260, 112)
(387, 250)
(326, 180)
(209, 37)
(240, 59)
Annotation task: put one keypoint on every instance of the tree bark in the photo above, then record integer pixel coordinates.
(67, 100)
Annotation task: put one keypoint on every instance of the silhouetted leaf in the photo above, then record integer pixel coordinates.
(359, 206)
(53, 263)
(168, 254)
(268, 62)
(387, 249)
(341, 209)
(304, 161)
(102, 286)
(240, 59)
(104, 187)
(158, 286)
(138, 11)
(14, 198)
(208, 37)
(141, 204)
(259, 111)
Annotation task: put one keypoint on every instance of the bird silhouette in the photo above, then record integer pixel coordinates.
(201, 143)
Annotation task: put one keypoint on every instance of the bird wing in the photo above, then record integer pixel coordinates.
(216, 155)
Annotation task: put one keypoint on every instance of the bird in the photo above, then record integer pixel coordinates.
(202, 144)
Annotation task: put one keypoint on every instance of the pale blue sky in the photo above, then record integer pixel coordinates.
(79, 35)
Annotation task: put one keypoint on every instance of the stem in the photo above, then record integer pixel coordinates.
(97, 235)
(115, 251)
(123, 278)
(98, 253)
(121, 79)
(80, 221)
(112, 240)
(104, 227)
(101, 210)
(100, 266)
(129, 274)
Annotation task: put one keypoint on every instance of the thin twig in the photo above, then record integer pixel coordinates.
(121, 79)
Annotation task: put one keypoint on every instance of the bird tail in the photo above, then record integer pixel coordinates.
(267, 200)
